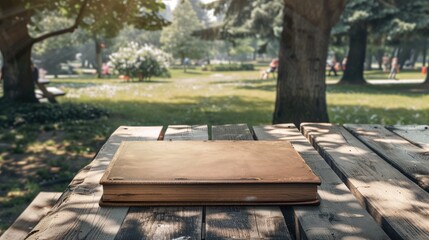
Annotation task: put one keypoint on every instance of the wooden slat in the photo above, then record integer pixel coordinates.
(406, 157)
(396, 203)
(184, 132)
(77, 215)
(243, 222)
(37, 209)
(418, 134)
(167, 222)
(231, 132)
(339, 215)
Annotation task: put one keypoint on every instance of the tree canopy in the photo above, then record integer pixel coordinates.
(107, 16)
(177, 38)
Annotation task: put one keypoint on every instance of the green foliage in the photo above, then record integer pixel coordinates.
(177, 38)
(142, 37)
(19, 114)
(233, 67)
(143, 62)
(54, 51)
(259, 19)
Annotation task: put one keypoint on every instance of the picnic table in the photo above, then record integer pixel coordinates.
(374, 186)
(44, 92)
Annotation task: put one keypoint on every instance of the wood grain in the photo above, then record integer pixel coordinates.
(77, 214)
(231, 132)
(37, 209)
(235, 222)
(417, 134)
(339, 215)
(185, 132)
(167, 222)
(406, 157)
(396, 203)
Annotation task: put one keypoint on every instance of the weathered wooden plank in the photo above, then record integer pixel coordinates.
(243, 222)
(37, 209)
(184, 132)
(231, 132)
(396, 203)
(417, 134)
(406, 157)
(339, 215)
(167, 222)
(77, 214)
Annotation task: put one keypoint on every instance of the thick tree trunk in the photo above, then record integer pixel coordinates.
(368, 62)
(356, 56)
(18, 85)
(424, 52)
(98, 57)
(18, 82)
(404, 55)
(380, 55)
(301, 84)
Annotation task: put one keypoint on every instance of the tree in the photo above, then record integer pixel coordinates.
(305, 28)
(16, 42)
(301, 87)
(177, 38)
(359, 17)
(201, 13)
(54, 51)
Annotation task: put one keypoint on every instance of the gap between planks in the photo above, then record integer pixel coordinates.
(339, 215)
(397, 204)
(77, 215)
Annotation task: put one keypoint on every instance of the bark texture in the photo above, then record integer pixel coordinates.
(18, 85)
(356, 56)
(16, 44)
(304, 42)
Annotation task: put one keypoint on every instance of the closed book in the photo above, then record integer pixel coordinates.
(208, 173)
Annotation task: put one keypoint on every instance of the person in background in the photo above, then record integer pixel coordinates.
(331, 64)
(394, 68)
(272, 68)
(106, 70)
(385, 63)
(343, 64)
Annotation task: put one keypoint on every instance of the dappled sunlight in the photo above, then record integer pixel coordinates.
(385, 192)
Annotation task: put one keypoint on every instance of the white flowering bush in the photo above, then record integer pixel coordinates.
(142, 62)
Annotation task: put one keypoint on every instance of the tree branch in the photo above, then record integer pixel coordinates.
(70, 29)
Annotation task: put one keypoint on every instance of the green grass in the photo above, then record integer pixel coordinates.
(194, 97)
(238, 97)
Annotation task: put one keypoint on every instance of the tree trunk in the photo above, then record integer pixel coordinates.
(424, 52)
(16, 45)
(380, 55)
(368, 62)
(303, 52)
(356, 56)
(98, 57)
(404, 55)
(18, 84)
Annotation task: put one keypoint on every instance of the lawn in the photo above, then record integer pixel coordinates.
(45, 157)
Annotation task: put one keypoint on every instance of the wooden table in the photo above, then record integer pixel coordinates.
(374, 186)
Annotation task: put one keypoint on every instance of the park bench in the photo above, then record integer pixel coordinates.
(374, 186)
(43, 91)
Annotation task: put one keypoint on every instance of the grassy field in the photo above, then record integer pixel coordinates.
(45, 157)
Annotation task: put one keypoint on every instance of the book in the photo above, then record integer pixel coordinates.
(162, 173)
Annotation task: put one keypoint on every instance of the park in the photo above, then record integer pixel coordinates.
(344, 82)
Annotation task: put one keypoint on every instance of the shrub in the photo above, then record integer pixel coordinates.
(143, 62)
(233, 67)
(19, 114)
